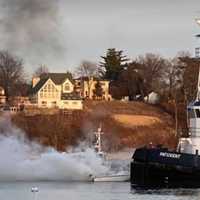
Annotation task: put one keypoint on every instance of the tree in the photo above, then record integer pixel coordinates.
(129, 83)
(87, 70)
(41, 70)
(173, 74)
(112, 65)
(152, 67)
(11, 73)
(190, 77)
(98, 91)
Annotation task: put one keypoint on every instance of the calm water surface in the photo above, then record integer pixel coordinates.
(87, 191)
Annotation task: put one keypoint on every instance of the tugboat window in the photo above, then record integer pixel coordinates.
(197, 113)
(191, 113)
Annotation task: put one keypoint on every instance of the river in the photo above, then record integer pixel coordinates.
(89, 191)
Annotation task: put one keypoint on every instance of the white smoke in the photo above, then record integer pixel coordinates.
(22, 160)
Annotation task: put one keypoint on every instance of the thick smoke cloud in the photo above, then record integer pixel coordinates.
(31, 29)
(23, 160)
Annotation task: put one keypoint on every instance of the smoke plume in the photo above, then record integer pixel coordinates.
(32, 29)
(22, 160)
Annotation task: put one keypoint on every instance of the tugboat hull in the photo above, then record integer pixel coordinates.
(158, 168)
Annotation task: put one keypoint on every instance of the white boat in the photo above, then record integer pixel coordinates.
(112, 178)
(100, 152)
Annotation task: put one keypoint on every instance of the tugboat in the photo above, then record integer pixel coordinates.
(158, 167)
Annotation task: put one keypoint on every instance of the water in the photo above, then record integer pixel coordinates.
(87, 191)
(23, 161)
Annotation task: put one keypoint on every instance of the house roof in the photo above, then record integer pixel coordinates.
(38, 85)
(57, 78)
(86, 78)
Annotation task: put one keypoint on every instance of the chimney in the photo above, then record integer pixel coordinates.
(35, 80)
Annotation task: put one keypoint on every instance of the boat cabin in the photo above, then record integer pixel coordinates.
(191, 144)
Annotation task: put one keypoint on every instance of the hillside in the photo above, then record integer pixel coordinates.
(131, 124)
(125, 125)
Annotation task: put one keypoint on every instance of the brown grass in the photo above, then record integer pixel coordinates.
(125, 124)
(136, 120)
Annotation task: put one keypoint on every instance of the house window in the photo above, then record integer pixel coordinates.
(53, 103)
(66, 103)
(74, 103)
(67, 87)
(44, 103)
(49, 91)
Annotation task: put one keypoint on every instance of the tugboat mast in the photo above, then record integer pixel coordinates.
(198, 87)
(197, 56)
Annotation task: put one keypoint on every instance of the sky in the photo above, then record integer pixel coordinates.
(62, 33)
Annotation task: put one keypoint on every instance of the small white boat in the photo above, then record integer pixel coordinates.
(112, 178)
(100, 152)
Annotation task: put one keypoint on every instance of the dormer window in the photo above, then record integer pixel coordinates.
(66, 87)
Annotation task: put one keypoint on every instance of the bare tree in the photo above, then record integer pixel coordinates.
(173, 74)
(41, 70)
(87, 70)
(11, 73)
(152, 70)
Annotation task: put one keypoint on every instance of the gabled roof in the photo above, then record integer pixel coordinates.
(39, 85)
(57, 78)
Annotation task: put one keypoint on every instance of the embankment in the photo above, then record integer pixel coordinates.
(125, 125)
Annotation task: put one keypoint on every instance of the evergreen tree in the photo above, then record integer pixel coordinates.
(112, 65)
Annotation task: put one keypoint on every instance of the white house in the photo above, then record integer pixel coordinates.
(152, 98)
(55, 90)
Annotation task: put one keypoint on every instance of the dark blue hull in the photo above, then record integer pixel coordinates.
(159, 168)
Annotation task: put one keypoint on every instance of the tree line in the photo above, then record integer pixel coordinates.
(174, 79)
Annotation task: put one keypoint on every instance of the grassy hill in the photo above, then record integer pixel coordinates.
(132, 124)
(125, 125)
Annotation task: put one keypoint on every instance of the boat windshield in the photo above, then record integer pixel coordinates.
(197, 113)
(191, 113)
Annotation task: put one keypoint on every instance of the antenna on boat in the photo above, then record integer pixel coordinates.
(98, 142)
(35, 190)
(197, 55)
(198, 87)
